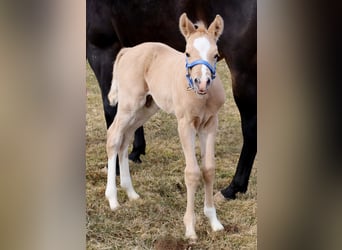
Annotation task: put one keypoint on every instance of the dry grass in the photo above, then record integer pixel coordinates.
(156, 220)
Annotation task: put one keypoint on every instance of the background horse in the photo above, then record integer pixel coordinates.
(153, 76)
(112, 25)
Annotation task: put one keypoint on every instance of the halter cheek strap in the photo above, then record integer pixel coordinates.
(189, 66)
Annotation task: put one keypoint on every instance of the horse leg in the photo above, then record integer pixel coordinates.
(111, 191)
(192, 174)
(139, 145)
(101, 61)
(132, 120)
(245, 95)
(117, 143)
(125, 176)
(244, 167)
(114, 140)
(207, 140)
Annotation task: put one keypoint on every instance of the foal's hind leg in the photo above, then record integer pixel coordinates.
(125, 176)
(140, 117)
(207, 139)
(116, 135)
(114, 140)
(119, 135)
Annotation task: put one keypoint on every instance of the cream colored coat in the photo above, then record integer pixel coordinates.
(152, 76)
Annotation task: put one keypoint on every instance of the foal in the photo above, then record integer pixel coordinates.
(152, 76)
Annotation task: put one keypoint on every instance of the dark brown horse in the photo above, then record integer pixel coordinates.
(112, 25)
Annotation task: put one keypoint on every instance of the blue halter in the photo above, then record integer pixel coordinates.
(189, 66)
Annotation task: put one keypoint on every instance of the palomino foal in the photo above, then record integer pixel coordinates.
(152, 76)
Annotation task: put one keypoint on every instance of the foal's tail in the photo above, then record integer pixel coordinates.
(113, 92)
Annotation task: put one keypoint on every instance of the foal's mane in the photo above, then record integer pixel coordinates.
(200, 27)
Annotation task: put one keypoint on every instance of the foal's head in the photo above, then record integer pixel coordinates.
(201, 52)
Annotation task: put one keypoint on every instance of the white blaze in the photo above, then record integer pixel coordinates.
(202, 45)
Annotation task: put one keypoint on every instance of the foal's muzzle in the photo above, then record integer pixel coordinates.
(200, 87)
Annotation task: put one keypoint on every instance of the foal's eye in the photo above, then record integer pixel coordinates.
(216, 56)
(187, 54)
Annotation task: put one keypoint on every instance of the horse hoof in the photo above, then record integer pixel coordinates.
(217, 226)
(114, 205)
(219, 198)
(137, 160)
(192, 242)
(133, 157)
(229, 193)
(192, 238)
(133, 196)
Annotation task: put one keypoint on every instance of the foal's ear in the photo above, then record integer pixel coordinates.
(216, 27)
(186, 26)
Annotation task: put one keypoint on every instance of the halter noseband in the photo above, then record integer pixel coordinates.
(189, 66)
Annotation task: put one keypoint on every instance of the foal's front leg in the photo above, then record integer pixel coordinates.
(207, 139)
(192, 174)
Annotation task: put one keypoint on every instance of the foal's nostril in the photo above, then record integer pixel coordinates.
(208, 82)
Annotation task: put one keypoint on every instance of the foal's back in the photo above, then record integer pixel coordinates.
(150, 69)
(158, 70)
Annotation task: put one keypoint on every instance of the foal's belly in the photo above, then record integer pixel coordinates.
(164, 102)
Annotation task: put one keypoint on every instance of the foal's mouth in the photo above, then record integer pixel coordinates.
(201, 92)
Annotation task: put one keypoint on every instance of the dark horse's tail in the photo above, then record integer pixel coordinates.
(113, 93)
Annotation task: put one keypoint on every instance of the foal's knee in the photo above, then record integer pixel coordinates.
(208, 173)
(192, 177)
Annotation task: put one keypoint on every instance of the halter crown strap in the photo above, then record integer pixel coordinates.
(197, 62)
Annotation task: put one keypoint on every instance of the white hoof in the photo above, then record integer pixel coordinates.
(210, 212)
(133, 196)
(114, 205)
(189, 223)
(216, 226)
(191, 236)
(112, 198)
